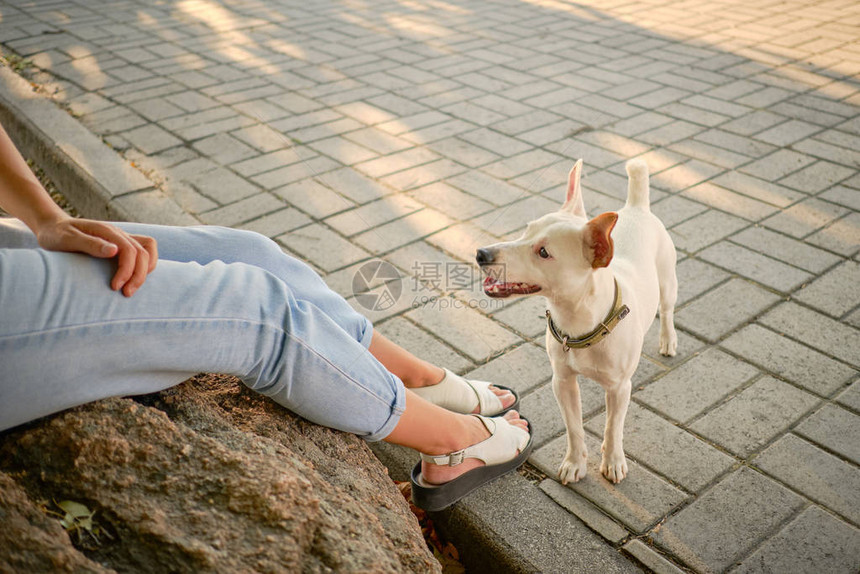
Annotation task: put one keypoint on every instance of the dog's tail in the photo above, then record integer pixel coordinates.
(638, 190)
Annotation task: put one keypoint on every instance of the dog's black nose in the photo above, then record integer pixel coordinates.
(484, 256)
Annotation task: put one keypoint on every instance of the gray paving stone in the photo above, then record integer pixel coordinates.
(487, 188)
(834, 428)
(637, 501)
(342, 150)
(822, 150)
(817, 474)
(851, 397)
(425, 266)
(243, 210)
(556, 541)
(843, 195)
(841, 236)
(709, 153)
(688, 346)
(399, 232)
(519, 164)
(224, 149)
(676, 209)
(421, 175)
(739, 144)
(680, 177)
(584, 510)
(788, 133)
(760, 268)
(278, 222)
(777, 165)
(695, 277)
(525, 316)
(272, 160)
(462, 240)
(752, 418)
(668, 449)
(422, 344)
(722, 525)
(480, 339)
(696, 385)
(754, 122)
(816, 330)
(322, 247)
(378, 140)
(222, 185)
(817, 177)
(836, 292)
(463, 152)
(541, 409)
(805, 217)
(756, 188)
(705, 229)
(396, 162)
(522, 369)
(652, 559)
(451, 201)
(372, 214)
(813, 542)
(515, 216)
(789, 359)
(150, 138)
(262, 137)
(784, 248)
(738, 302)
(729, 201)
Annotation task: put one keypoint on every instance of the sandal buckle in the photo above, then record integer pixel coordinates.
(456, 458)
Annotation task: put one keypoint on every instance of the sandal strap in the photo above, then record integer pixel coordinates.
(496, 448)
(460, 394)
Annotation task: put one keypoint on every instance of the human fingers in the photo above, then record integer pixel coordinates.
(151, 247)
(132, 267)
(132, 258)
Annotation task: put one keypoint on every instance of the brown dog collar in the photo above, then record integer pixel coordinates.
(618, 312)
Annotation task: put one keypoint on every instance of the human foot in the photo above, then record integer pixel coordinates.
(465, 396)
(439, 481)
(476, 434)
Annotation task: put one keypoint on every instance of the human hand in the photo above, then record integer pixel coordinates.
(136, 255)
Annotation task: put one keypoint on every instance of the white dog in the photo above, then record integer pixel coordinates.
(603, 280)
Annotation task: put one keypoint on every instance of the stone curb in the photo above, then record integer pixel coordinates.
(98, 181)
(511, 525)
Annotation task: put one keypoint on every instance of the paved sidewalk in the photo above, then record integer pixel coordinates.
(418, 130)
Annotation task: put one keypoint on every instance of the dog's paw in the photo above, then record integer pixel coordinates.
(614, 467)
(572, 470)
(668, 344)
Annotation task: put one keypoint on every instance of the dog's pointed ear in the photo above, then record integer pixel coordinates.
(597, 243)
(573, 202)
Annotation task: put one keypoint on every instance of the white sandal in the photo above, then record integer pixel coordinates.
(506, 449)
(461, 395)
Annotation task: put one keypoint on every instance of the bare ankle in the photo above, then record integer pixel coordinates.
(464, 432)
(426, 377)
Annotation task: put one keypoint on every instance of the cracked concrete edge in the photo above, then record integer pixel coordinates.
(511, 525)
(99, 182)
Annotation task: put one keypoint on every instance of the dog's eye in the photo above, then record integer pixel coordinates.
(544, 254)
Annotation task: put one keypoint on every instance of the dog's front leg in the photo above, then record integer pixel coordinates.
(613, 464)
(566, 389)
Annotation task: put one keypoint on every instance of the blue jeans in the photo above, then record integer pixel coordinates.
(220, 300)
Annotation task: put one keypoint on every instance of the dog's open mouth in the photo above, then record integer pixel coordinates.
(495, 288)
